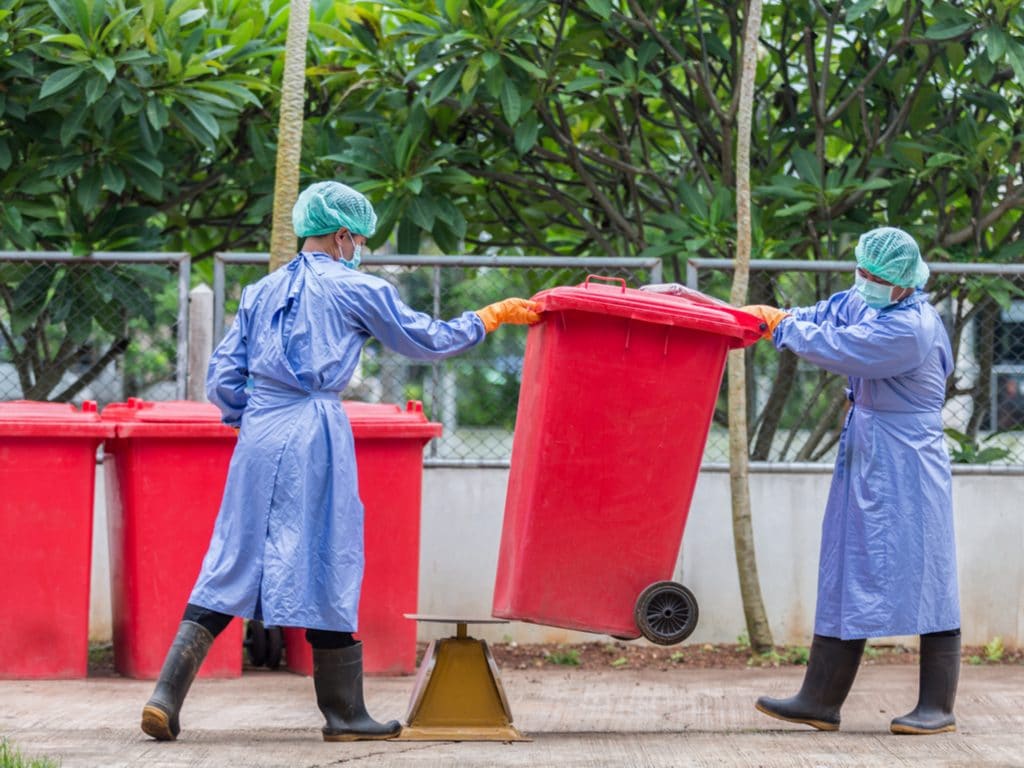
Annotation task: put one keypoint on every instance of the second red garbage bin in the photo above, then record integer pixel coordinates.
(47, 477)
(618, 391)
(389, 457)
(165, 471)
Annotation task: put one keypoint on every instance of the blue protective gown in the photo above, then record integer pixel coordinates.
(287, 547)
(888, 559)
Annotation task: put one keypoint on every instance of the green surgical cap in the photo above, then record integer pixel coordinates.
(892, 255)
(327, 206)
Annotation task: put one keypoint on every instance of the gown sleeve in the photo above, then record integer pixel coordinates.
(383, 315)
(228, 371)
(879, 347)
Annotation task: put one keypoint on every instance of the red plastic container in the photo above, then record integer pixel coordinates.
(389, 457)
(47, 478)
(618, 391)
(165, 473)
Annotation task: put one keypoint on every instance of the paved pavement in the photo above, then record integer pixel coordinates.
(680, 717)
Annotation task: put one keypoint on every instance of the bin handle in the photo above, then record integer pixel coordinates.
(620, 280)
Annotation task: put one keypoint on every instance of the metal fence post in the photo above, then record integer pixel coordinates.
(200, 341)
(184, 280)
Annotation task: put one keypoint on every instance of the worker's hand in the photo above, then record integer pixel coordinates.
(770, 316)
(514, 311)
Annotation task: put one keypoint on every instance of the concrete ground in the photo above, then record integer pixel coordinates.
(680, 717)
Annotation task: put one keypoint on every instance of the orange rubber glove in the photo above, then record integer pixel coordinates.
(771, 317)
(514, 311)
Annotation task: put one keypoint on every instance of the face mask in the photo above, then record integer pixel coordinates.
(357, 250)
(875, 296)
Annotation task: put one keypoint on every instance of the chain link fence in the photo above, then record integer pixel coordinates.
(474, 395)
(797, 410)
(109, 326)
(101, 327)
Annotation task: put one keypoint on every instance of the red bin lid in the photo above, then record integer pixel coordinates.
(388, 421)
(664, 309)
(171, 418)
(28, 418)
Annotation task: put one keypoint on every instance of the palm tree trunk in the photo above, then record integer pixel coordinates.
(289, 135)
(739, 480)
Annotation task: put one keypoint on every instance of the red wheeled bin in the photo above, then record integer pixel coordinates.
(47, 478)
(389, 458)
(165, 474)
(618, 391)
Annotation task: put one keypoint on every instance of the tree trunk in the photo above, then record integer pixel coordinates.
(289, 135)
(743, 533)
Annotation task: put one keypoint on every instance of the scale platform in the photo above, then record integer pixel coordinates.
(458, 694)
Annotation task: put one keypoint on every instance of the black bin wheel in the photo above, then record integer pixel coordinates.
(666, 613)
(263, 644)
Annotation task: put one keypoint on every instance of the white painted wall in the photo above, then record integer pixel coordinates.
(461, 531)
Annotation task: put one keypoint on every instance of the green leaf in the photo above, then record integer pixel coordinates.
(944, 30)
(858, 9)
(5, 154)
(996, 41)
(106, 66)
(423, 212)
(526, 134)
(113, 178)
(156, 113)
(527, 66)
(584, 84)
(443, 84)
(806, 166)
(894, 7)
(194, 15)
(789, 210)
(409, 235)
(60, 80)
(602, 8)
(511, 103)
(944, 160)
(72, 124)
(203, 117)
(88, 190)
(75, 41)
(94, 90)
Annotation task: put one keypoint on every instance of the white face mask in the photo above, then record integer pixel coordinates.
(875, 295)
(357, 250)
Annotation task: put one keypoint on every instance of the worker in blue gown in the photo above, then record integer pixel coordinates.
(287, 547)
(888, 560)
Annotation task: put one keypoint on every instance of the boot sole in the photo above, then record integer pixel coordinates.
(157, 724)
(821, 725)
(359, 736)
(909, 730)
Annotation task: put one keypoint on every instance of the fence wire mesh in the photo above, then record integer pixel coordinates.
(797, 410)
(104, 327)
(475, 394)
(112, 326)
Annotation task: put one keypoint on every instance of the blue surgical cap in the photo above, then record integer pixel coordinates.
(892, 255)
(327, 206)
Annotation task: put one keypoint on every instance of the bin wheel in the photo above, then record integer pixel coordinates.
(264, 644)
(256, 643)
(275, 646)
(666, 613)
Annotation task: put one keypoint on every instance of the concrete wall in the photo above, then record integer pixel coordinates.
(461, 530)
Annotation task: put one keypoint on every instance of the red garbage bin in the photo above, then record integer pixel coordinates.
(618, 391)
(165, 473)
(389, 457)
(47, 478)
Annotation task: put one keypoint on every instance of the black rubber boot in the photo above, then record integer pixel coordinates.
(831, 668)
(190, 646)
(940, 671)
(338, 679)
